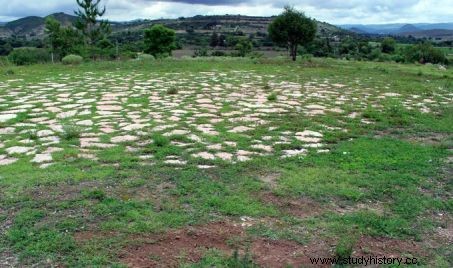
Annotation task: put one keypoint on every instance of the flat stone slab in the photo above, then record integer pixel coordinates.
(18, 150)
(41, 158)
(8, 161)
(6, 117)
(125, 138)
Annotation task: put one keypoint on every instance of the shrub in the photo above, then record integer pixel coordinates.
(200, 52)
(27, 55)
(218, 53)
(425, 53)
(145, 57)
(72, 60)
(244, 47)
(128, 55)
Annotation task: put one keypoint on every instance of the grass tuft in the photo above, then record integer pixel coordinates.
(71, 132)
(272, 97)
(172, 91)
(160, 140)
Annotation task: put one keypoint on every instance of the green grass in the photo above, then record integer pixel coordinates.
(379, 179)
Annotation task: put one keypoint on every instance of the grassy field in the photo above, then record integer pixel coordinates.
(225, 163)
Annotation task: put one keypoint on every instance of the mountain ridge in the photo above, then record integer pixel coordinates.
(437, 31)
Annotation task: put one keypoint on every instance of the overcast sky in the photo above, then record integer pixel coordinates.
(332, 11)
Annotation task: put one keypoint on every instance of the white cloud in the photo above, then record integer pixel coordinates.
(333, 11)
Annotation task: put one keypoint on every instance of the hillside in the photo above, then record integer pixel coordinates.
(407, 28)
(33, 27)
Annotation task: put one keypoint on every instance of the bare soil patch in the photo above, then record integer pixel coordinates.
(300, 207)
(280, 253)
(189, 245)
(185, 245)
(388, 247)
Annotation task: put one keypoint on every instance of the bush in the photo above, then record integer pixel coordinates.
(218, 53)
(200, 52)
(72, 60)
(244, 47)
(145, 57)
(424, 53)
(128, 55)
(28, 55)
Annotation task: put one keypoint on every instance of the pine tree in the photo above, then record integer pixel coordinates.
(88, 22)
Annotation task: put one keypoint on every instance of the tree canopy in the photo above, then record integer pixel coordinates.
(292, 28)
(88, 22)
(159, 41)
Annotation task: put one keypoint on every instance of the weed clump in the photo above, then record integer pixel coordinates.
(95, 195)
(32, 135)
(272, 97)
(345, 246)
(172, 91)
(160, 141)
(71, 132)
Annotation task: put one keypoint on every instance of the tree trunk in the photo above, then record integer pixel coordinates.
(293, 51)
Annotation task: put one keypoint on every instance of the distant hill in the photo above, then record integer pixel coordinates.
(64, 18)
(438, 31)
(33, 27)
(407, 28)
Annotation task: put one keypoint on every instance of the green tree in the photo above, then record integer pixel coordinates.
(424, 53)
(61, 40)
(5, 48)
(244, 47)
(292, 28)
(159, 41)
(54, 36)
(388, 45)
(88, 22)
(214, 40)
